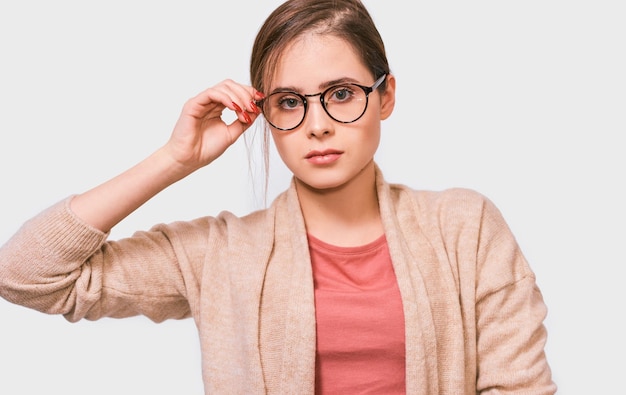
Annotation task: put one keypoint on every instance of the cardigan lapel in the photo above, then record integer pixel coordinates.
(421, 344)
(288, 306)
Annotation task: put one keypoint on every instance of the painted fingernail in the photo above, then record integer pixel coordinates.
(246, 117)
(237, 108)
(254, 107)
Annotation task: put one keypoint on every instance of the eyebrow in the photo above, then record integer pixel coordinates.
(323, 86)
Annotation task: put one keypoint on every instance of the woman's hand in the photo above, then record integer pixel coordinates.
(201, 135)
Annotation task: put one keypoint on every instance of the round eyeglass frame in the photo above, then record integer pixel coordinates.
(366, 89)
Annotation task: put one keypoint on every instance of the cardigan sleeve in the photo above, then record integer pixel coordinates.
(58, 264)
(509, 314)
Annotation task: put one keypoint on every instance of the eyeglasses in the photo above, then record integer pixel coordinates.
(345, 103)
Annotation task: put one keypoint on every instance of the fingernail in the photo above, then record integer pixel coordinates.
(254, 107)
(237, 108)
(246, 117)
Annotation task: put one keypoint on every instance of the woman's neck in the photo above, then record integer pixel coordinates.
(345, 216)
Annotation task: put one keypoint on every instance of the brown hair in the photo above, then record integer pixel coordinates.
(346, 19)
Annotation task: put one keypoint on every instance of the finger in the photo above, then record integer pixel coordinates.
(238, 127)
(243, 99)
(227, 94)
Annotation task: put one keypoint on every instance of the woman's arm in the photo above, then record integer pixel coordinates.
(58, 261)
(199, 137)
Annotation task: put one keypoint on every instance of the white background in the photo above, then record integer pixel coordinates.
(522, 101)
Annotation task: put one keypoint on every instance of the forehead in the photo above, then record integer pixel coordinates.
(313, 59)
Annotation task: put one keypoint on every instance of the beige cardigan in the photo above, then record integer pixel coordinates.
(474, 315)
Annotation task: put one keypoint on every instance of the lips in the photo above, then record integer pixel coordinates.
(323, 157)
(312, 154)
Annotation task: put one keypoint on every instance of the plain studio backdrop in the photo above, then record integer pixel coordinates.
(523, 101)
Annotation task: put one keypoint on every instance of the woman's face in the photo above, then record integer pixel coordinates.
(323, 153)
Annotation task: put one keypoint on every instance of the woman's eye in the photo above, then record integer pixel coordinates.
(341, 93)
(289, 102)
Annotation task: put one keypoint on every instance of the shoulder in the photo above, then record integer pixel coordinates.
(225, 228)
(451, 197)
(229, 228)
(448, 211)
(462, 202)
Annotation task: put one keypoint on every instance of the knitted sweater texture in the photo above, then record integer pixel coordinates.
(474, 315)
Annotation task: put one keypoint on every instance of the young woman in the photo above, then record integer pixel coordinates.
(345, 284)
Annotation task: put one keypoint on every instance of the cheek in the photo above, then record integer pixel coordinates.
(370, 132)
(282, 146)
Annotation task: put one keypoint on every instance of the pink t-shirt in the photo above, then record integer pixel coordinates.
(359, 318)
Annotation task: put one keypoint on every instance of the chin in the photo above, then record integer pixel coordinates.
(329, 180)
(325, 186)
(321, 183)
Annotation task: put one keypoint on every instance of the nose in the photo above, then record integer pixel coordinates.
(317, 122)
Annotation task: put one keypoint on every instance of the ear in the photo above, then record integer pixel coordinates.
(388, 98)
